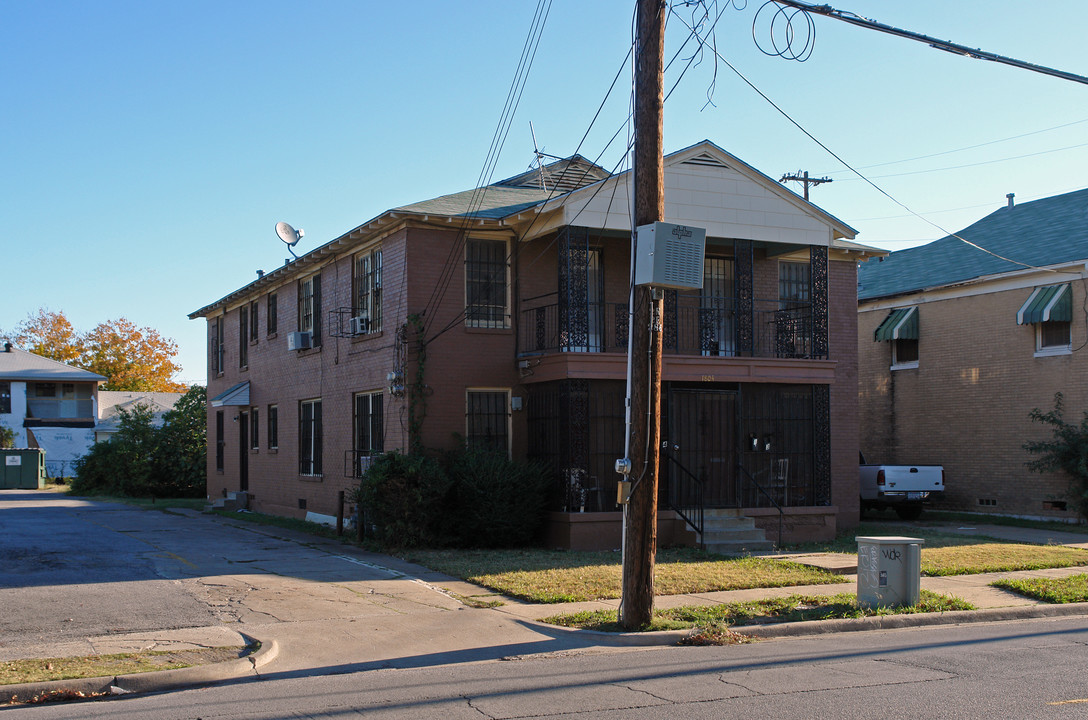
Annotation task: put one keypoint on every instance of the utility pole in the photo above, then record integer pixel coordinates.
(798, 177)
(640, 537)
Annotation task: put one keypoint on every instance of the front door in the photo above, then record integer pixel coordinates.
(243, 451)
(702, 440)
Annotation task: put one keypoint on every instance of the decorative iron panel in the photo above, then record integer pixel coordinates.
(821, 418)
(573, 287)
(819, 264)
(745, 284)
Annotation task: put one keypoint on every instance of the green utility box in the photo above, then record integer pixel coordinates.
(23, 469)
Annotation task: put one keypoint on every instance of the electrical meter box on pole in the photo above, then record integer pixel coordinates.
(889, 571)
(670, 256)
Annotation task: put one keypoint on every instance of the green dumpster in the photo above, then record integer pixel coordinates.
(23, 468)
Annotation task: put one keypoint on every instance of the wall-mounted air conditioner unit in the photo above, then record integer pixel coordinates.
(670, 256)
(359, 325)
(299, 340)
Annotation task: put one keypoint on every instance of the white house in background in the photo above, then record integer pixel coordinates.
(111, 402)
(49, 405)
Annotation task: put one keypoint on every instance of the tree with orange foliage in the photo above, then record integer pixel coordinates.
(129, 357)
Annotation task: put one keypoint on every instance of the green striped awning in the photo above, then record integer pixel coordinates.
(901, 324)
(1047, 304)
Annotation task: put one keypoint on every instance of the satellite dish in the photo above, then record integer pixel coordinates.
(288, 234)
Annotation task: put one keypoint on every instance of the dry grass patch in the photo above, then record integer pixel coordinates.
(974, 557)
(14, 672)
(714, 623)
(552, 576)
(1072, 589)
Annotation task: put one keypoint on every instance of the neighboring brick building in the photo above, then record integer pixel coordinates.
(518, 294)
(957, 346)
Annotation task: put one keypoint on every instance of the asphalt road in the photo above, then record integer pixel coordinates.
(1029, 669)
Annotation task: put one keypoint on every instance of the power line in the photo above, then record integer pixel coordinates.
(970, 165)
(962, 149)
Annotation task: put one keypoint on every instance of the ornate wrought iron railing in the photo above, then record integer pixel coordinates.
(693, 326)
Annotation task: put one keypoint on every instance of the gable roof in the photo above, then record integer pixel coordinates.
(16, 364)
(571, 180)
(1040, 233)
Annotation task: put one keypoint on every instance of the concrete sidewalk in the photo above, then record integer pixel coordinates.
(416, 618)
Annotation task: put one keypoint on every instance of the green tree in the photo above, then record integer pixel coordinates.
(1066, 451)
(141, 459)
(7, 437)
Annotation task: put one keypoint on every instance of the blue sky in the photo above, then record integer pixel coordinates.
(149, 148)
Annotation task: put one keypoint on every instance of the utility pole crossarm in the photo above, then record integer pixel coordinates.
(933, 42)
(805, 179)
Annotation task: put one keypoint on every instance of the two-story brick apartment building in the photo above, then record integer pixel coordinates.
(498, 315)
(960, 339)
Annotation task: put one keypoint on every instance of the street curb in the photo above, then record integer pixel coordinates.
(158, 681)
(823, 627)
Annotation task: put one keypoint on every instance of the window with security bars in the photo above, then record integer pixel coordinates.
(271, 319)
(487, 420)
(220, 443)
(486, 284)
(1053, 334)
(309, 437)
(368, 290)
(273, 427)
(254, 431)
(309, 307)
(254, 314)
(243, 336)
(369, 433)
(218, 350)
(794, 285)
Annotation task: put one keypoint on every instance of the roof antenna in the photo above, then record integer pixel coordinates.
(539, 155)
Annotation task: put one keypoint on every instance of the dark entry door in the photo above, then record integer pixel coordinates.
(702, 438)
(243, 452)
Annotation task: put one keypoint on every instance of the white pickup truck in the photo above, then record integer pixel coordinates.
(902, 487)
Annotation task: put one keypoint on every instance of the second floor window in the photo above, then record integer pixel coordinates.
(368, 291)
(486, 284)
(794, 285)
(309, 307)
(5, 397)
(243, 336)
(253, 316)
(270, 314)
(216, 341)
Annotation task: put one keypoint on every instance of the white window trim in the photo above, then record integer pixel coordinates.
(896, 365)
(1053, 350)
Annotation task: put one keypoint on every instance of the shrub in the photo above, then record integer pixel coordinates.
(1066, 451)
(472, 498)
(141, 460)
(404, 498)
(7, 436)
(496, 502)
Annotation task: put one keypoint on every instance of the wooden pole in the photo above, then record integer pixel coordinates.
(640, 539)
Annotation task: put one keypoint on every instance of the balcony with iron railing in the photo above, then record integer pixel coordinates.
(707, 326)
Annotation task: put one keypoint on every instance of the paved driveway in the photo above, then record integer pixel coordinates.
(75, 568)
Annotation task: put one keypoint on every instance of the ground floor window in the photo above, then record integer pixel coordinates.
(273, 427)
(309, 437)
(369, 430)
(219, 441)
(254, 430)
(487, 419)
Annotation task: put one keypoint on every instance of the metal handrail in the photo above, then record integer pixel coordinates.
(698, 521)
(753, 481)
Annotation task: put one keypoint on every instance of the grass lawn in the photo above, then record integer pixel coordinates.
(151, 503)
(43, 669)
(555, 576)
(715, 621)
(945, 553)
(1070, 589)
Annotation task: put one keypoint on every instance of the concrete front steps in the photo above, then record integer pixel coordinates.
(233, 501)
(727, 532)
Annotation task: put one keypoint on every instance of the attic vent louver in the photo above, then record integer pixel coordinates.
(705, 159)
